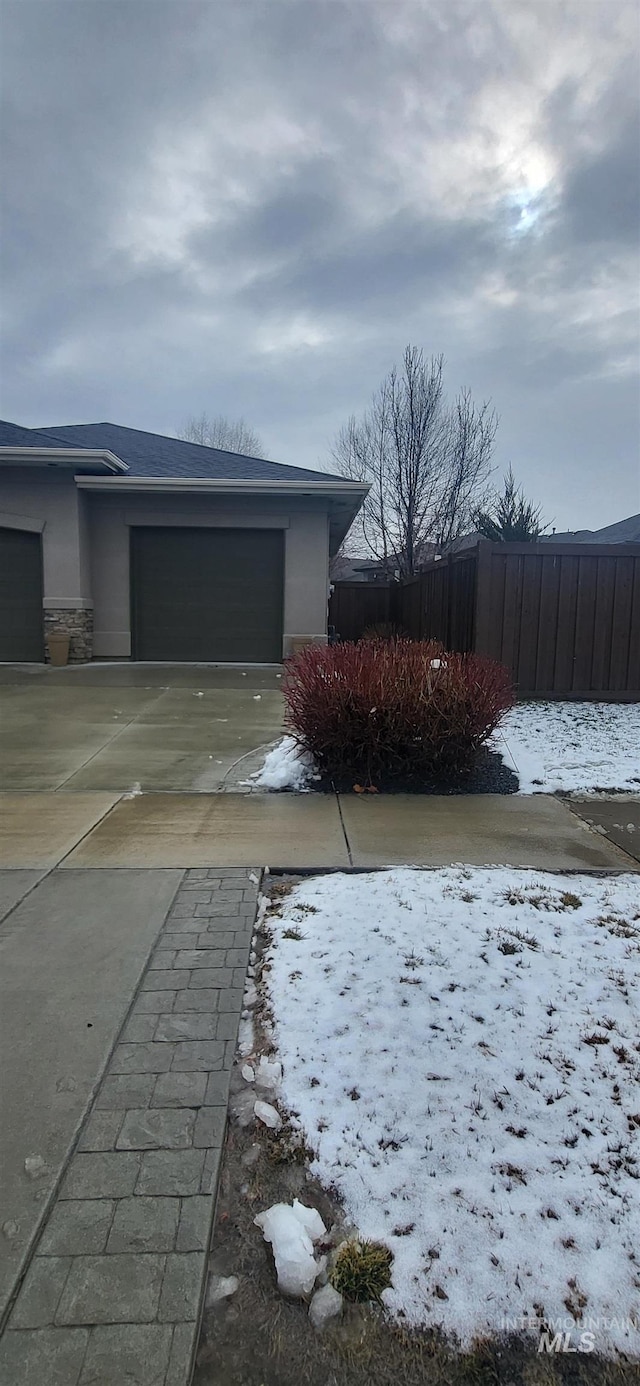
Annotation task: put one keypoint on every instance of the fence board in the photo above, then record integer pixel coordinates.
(509, 642)
(491, 644)
(410, 608)
(633, 668)
(565, 639)
(434, 585)
(622, 601)
(463, 578)
(548, 624)
(601, 658)
(585, 622)
(529, 620)
(353, 606)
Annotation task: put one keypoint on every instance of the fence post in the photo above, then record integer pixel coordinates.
(449, 599)
(482, 632)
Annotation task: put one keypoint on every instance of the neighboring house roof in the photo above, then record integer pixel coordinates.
(464, 541)
(154, 455)
(347, 569)
(622, 532)
(350, 568)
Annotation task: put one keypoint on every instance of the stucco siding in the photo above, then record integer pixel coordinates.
(85, 547)
(48, 500)
(110, 518)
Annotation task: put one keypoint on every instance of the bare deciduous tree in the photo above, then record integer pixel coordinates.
(427, 462)
(231, 435)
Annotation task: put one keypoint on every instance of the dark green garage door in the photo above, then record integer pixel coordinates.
(207, 594)
(21, 636)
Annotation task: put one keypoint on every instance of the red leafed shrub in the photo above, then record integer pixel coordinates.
(385, 710)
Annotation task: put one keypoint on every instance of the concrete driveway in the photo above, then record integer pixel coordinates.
(114, 726)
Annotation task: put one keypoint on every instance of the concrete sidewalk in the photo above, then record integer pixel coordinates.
(159, 831)
(72, 951)
(618, 819)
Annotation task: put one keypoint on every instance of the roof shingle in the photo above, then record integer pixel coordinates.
(154, 455)
(15, 436)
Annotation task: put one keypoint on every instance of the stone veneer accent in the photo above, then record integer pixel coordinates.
(294, 643)
(77, 622)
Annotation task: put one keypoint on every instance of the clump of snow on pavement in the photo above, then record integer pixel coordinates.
(460, 1049)
(287, 766)
(292, 1230)
(572, 747)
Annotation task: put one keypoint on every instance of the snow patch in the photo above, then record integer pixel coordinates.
(287, 766)
(460, 1049)
(572, 747)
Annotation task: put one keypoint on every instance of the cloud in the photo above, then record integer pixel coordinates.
(251, 208)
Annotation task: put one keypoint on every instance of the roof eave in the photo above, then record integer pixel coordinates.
(247, 485)
(344, 498)
(64, 457)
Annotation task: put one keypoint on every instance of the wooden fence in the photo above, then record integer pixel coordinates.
(355, 607)
(564, 618)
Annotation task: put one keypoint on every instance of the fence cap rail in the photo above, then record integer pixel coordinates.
(562, 548)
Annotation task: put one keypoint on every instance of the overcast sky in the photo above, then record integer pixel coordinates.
(251, 206)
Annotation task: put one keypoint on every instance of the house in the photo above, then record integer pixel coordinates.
(146, 547)
(622, 532)
(346, 569)
(353, 569)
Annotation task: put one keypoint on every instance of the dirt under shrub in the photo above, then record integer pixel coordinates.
(489, 775)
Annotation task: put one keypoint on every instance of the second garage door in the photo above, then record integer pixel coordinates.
(20, 596)
(207, 594)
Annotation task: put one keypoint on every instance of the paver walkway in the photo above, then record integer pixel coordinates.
(113, 1292)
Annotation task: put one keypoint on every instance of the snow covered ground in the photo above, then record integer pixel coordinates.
(574, 747)
(460, 1048)
(570, 747)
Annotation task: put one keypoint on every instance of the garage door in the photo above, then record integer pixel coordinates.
(207, 594)
(21, 635)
